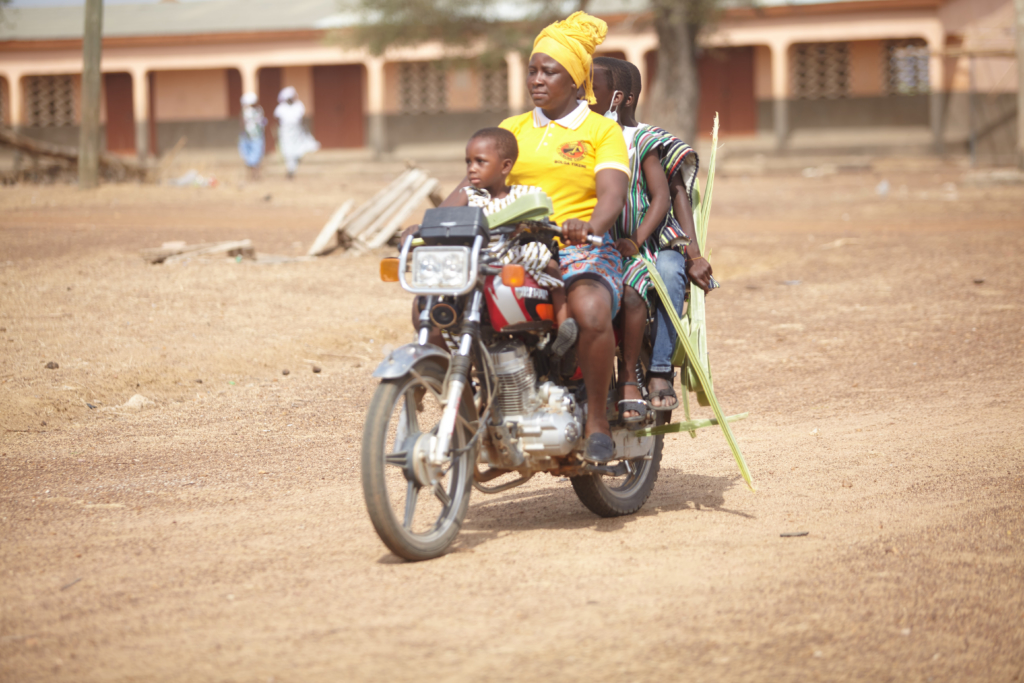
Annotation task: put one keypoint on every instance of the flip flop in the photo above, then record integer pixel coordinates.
(670, 392)
(600, 449)
(639, 406)
(664, 393)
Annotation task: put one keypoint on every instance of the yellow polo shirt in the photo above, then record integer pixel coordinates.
(563, 157)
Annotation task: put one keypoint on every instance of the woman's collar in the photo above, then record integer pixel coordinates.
(572, 120)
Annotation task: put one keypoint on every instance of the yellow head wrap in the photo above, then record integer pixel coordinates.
(571, 43)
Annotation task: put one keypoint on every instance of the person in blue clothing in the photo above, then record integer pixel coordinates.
(251, 141)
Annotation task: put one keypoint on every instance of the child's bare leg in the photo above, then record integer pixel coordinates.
(557, 294)
(634, 318)
(559, 304)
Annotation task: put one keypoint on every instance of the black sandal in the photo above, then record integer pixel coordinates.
(662, 393)
(600, 449)
(639, 406)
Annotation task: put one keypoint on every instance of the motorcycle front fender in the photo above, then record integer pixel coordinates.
(402, 359)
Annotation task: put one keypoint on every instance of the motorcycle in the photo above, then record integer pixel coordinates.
(496, 408)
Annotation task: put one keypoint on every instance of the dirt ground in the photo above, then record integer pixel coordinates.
(219, 534)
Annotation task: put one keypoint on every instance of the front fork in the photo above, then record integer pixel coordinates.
(458, 374)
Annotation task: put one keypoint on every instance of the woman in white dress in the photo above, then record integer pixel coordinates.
(292, 137)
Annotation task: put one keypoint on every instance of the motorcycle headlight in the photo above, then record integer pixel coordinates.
(440, 267)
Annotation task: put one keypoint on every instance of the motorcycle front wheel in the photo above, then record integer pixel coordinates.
(417, 509)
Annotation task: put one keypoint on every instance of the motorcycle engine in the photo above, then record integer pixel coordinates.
(540, 421)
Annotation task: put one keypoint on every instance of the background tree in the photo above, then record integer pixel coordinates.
(496, 27)
(89, 133)
(502, 26)
(676, 95)
(1020, 82)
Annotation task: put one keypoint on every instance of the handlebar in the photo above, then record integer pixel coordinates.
(552, 227)
(594, 239)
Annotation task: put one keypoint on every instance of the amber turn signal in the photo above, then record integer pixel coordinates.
(389, 269)
(513, 275)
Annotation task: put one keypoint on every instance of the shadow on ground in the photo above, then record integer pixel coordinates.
(556, 507)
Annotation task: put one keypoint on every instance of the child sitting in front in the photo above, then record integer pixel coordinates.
(490, 155)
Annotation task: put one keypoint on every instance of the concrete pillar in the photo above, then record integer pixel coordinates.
(250, 79)
(15, 100)
(780, 92)
(375, 104)
(516, 83)
(140, 106)
(16, 109)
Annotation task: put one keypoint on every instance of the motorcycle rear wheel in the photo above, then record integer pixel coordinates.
(614, 497)
(617, 496)
(416, 521)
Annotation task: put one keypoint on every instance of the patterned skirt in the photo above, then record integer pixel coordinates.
(602, 263)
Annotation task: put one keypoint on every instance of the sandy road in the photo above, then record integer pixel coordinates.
(220, 534)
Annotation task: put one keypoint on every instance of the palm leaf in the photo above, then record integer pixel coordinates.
(692, 330)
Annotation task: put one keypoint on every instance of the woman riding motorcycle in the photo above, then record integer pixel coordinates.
(579, 159)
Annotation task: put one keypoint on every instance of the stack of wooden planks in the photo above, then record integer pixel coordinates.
(375, 222)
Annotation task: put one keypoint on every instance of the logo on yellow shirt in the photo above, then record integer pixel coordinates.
(573, 151)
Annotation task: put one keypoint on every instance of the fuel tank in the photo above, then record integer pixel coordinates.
(515, 308)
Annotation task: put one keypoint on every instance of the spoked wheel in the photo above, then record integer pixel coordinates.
(416, 507)
(623, 493)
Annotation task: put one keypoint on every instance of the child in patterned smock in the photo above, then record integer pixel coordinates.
(646, 213)
(678, 257)
(490, 155)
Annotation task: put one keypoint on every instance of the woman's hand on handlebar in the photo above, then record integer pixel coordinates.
(576, 231)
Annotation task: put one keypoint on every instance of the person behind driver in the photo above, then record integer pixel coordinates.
(647, 210)
(679, 260)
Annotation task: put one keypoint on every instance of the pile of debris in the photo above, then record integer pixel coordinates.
(176, 252)
(372, 225)
(377, 221)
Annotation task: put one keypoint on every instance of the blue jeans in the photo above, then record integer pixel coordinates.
(672, 269)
